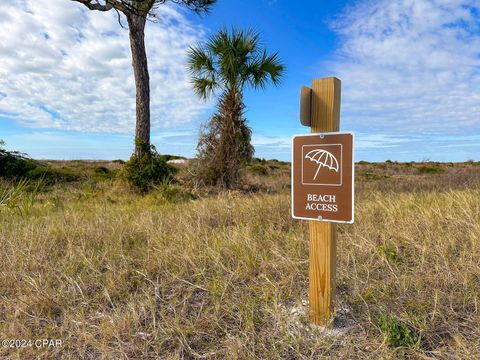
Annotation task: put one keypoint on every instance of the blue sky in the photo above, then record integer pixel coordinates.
(410, 72)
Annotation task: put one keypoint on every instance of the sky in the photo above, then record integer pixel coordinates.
(410, 72)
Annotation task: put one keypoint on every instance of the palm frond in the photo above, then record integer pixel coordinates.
(264, 69)
(204, 87)
(219, 43)
(199, 61)
(250, 42)
(233, 59)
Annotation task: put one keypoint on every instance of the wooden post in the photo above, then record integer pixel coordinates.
(323, 235)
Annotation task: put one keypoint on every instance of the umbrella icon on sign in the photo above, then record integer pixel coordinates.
(322, 158)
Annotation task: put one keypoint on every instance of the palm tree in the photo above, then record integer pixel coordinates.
(229, 62)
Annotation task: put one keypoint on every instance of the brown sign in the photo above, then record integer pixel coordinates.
(322, 177)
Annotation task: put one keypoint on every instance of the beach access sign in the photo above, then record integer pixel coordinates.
(323, 177)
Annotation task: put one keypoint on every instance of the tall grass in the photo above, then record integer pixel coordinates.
(19, 197)
(117, 275)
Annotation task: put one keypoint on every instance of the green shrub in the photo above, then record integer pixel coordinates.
(14, 165)
(258, 169)
(279, 162)
(372, 176)
(151, 169)
(103, 173)
(398, 333)
(167, 157)
(101, 170)
(362, 162)
(176, 193)
(430, 169)
(390, 253)
(51, 175)
(256, 160)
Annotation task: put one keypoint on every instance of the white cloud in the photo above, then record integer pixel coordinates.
(363, 141)
(272, 141)
(63, 66)
(410, 66)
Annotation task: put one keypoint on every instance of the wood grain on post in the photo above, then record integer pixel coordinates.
(323, 235)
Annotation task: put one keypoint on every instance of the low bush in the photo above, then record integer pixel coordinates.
(258, 169)
(430, 169)
(168, 157)
(259, 160)
(279, 162)
(103, 173)
(176, 193)
(149, 170)
(101, 170)
(390, 253)
(398, 333)
(14, 165)
(51, 175)
(372, 176)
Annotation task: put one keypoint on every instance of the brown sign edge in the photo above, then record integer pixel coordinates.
(353, 177)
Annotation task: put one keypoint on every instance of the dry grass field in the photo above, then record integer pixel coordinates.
(185, 273)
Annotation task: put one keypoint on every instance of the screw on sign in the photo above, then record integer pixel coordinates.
(322, 188)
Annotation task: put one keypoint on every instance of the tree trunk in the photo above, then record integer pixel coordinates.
(225, 146)
(136, 26)
(235, 140)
